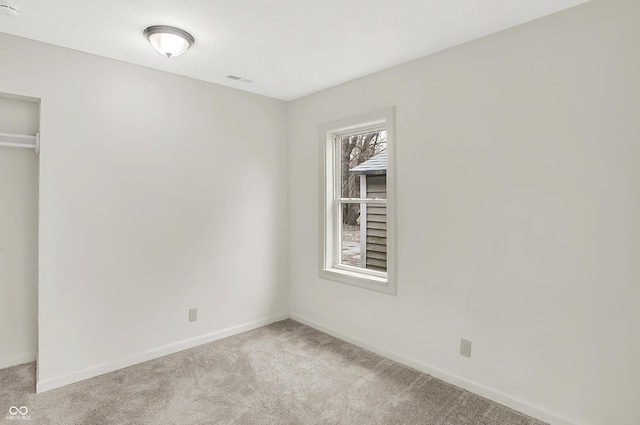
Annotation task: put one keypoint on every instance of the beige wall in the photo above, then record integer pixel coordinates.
(517, 205)
(158, 193)
(18, 235)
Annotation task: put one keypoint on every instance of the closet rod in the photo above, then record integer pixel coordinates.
(20, 141)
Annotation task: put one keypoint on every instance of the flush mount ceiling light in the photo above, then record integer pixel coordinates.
(169, 41)
(7, 9)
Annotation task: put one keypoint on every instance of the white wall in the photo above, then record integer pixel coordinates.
(18, 236)
(517, 208)
(518, 205)
(158, 193)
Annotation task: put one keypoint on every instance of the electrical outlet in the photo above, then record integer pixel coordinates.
(193, 314)
(465, 348)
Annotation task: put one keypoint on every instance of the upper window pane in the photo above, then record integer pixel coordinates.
(362, 155)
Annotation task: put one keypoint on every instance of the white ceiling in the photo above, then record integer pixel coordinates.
(289, 48)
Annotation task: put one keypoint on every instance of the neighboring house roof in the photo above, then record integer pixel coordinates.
(374, 166)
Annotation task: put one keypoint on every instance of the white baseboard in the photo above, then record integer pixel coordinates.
(490, 393)
(16, 360)
(493, 394)
(144, 356)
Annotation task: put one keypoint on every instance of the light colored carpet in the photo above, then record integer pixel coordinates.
(284, 373)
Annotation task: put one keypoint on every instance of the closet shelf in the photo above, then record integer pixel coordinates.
(20, 141)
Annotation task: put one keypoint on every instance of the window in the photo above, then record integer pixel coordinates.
(358, 199)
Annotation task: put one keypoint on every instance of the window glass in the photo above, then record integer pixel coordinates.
(358, 220)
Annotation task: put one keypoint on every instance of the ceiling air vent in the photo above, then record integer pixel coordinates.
(237, 78)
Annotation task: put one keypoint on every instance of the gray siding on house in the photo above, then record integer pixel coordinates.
(376, 222)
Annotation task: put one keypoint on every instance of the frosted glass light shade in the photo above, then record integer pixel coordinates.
(169, 41)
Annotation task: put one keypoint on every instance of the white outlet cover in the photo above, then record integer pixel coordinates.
(193, 314)
(465, 348)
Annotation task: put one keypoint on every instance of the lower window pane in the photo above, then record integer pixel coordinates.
(350, 235)
(364, 236)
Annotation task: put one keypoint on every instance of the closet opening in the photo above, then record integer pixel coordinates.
(19, 215)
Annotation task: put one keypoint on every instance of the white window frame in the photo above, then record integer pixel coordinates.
(331, 200)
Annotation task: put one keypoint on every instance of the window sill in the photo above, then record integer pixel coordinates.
(362, 280)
